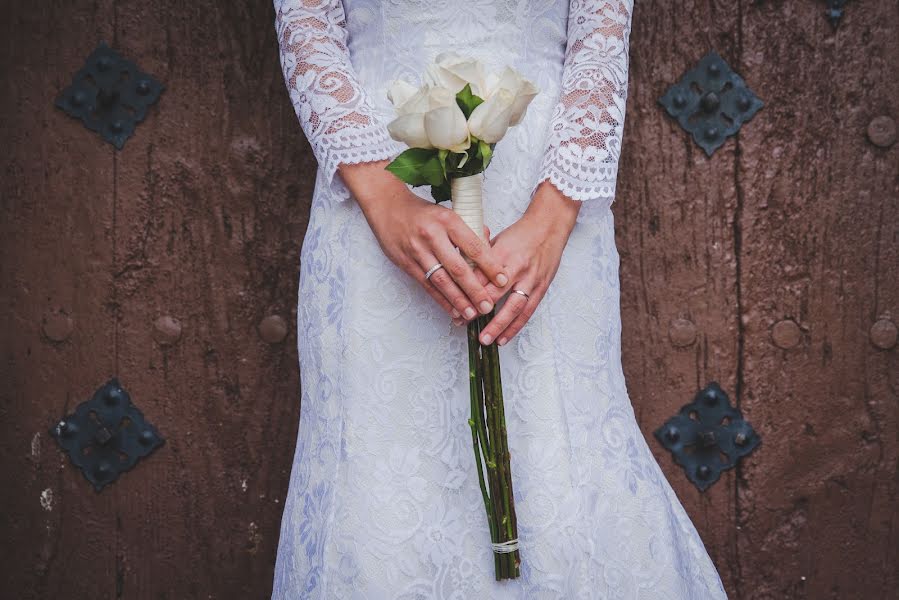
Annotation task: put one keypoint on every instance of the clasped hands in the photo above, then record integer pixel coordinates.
(416, 235)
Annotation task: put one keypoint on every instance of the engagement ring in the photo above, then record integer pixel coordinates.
(522, 293)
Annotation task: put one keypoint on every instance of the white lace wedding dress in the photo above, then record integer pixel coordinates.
(384, 499)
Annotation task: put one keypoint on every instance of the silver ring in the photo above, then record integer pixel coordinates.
(432, 270)
(522, 293)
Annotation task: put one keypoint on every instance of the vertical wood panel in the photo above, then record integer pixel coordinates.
(674, 223)
(212, 202)
(56, 237)
(819, 248)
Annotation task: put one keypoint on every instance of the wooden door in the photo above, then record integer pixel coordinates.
(770, 267)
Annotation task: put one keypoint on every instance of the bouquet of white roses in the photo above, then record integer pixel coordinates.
(452, 124)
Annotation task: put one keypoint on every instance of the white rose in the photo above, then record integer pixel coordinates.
(445, 122)
(522, 89)
(490, 120)
(411, 106)
(453, 71)
(428, 118)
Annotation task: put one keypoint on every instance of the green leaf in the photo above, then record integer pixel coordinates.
(410, 166)
(441, 192)
(441, 155)
(432, 171)
(485, 152)
(467, 101)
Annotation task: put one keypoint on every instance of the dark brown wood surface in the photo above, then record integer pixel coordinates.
(770, 267)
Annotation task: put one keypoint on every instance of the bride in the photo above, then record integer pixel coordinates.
(384, 500)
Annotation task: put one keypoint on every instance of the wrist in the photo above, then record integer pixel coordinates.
(373, 187)
(552, 211)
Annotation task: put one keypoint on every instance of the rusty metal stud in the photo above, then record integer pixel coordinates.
(682, 332)
(110, 95)
(58, 326)
(711, 442)
(786, 334)
(882, 131)
(883, 334)
(711, 102)
(273, 329)
(166, 330)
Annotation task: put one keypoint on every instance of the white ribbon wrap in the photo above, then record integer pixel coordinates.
(467, 199)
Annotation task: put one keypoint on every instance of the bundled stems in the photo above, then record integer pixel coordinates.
(491, 448)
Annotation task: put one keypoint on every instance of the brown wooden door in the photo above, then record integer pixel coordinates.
(770, 267)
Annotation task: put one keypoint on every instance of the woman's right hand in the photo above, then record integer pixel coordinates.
(416, 234)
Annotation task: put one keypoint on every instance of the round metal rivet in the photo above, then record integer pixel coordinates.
(679, 100)
(740, 439)
(58, 326)
(743, 103)
(104, 469)
(710, 102)
(273, 329)
(883, 334)
(104, 63)
(68, 429)
(714, 70)
(117, 127)
(166, 330)
(672, 435)
(113, 396)
(146, 437)
(143, 87)
(786, 334)
(703, 471)
(882, 131)
(682, 332)
(711, 133)
(78, 98)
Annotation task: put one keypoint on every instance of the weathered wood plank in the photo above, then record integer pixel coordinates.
(56, 237)
(212, 205)
(674, 223)
(819, 258)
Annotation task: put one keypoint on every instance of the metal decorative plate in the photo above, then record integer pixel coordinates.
(110, 95)
(707, 436)
(106, 435)
(711, 102)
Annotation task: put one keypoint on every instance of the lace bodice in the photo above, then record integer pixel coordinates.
(338, 57)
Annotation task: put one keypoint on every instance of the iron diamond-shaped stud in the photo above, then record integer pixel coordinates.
(707, 436)
(106, 435)
(711, 102)
(110, 95)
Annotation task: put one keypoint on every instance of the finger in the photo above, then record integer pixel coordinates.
(459, 271)
(477, 250)
(443, 283)
(419, 275)
(515, 304)
(487, 234)
(518, 322)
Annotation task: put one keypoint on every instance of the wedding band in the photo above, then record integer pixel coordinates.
(522, 293)
(432, 269)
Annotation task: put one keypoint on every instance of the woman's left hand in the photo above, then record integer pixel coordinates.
(531, 250)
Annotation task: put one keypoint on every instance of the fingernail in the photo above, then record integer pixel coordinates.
(456, 313)
(486, 306)
(486, 339)
(470, 313)
(502, 279)
(502, 341)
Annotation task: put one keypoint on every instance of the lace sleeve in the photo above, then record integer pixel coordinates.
(581, 157)
(334, 110)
